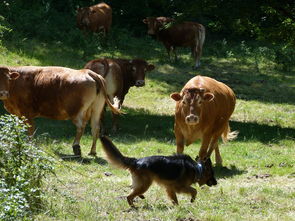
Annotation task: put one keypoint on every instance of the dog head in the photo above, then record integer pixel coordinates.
(205, 171)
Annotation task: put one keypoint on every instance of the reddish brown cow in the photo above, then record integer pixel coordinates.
(120, 75)
(203, 109)
(95, 18)
(185, 34)
(57, 93)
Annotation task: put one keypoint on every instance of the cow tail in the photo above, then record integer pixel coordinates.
(92, 65)
(114, 156)
(229, 135)
(101, 85)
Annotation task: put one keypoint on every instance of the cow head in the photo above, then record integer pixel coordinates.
(192, 100)
(83, 17)
(138, 68)
(155, 24)
(205, 171)
(5, 79)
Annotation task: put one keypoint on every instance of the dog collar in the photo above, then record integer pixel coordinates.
(199, 170)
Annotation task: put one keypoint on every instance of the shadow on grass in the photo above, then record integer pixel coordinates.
(80, 159)
(140, 124)
(225, 172)
(270, 86)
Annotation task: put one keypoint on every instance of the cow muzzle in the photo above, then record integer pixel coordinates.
(192, 119)
(139, 83)
(4, 95)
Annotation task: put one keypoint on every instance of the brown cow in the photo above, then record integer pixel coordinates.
(185, 34)
(203, 109)
(120, 75)
(57, 93)
(95, 18)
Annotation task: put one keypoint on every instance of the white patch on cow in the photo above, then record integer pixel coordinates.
(134, 69)
(116, 102)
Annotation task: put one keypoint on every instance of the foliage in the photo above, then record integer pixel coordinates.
(22, 168)
(52, 19)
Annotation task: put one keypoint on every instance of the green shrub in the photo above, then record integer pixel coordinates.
(22, 168)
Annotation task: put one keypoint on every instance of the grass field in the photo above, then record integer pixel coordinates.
(257, 180)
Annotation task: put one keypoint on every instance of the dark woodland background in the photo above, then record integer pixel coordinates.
(269, 20)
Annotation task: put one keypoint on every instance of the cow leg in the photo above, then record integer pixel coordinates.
(168, 48)
(198, 53)
(97, 109)
(174, 51)
(80, 122)
(214, 147)
(218, 158)
(179, 139)
(204, 147)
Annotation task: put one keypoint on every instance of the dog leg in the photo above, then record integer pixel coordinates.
(140, 186)
(189, 190)
(141, 196)
(138, 191)
(172, 195)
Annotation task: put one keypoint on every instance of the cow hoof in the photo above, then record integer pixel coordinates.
(92, 154)
(77, 150)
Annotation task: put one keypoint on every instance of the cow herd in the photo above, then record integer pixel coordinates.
(203, 106)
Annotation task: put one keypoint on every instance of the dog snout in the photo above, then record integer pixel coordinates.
(212, 182)
(139, 83)
(192, 119)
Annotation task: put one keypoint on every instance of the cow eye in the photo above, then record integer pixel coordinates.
(184, 102)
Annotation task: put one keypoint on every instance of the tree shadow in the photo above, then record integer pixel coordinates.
(140, 124)
(247, 83)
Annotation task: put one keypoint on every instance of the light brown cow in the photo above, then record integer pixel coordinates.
(57, 93)
(185, 34)
(95, 18)
(203, 109)
(120, 75)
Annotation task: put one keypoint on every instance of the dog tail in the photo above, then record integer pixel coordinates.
(114, 156)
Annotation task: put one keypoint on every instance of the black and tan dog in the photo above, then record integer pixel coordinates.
(176, 173)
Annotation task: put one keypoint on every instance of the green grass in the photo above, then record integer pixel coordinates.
(257, 180)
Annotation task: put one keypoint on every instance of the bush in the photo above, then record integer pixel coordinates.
(22, 168)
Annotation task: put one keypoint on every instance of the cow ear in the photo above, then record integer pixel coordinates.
(208, 97)
(13, 75)
(176, 96)
(150, 67)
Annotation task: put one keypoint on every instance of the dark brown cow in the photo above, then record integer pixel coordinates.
(57, 93)
(120, 75)
(95, 18)
(185, 34)
(203, 109)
